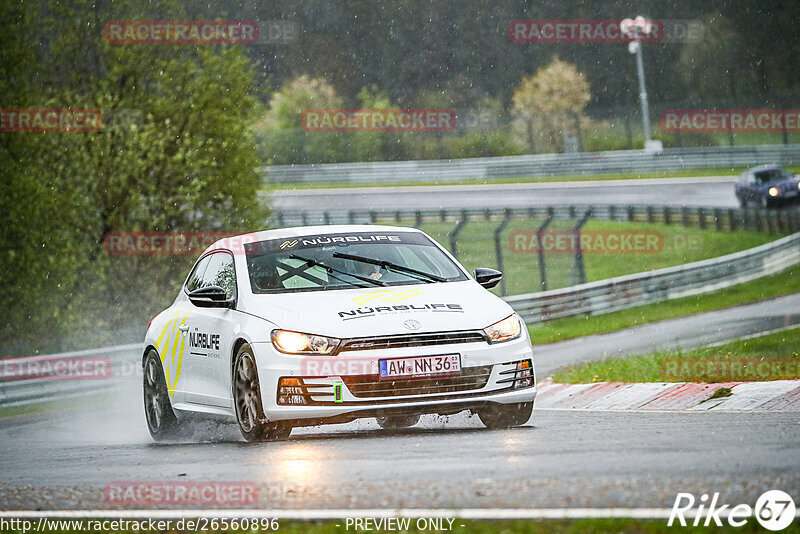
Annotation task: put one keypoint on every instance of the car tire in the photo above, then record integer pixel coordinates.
(394, 422)
(161, 420)
(249, 409)
(505, 415)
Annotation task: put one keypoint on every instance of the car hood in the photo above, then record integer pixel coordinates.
(782, 185)
(347, 313)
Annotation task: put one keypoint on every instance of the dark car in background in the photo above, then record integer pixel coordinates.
(767, 186)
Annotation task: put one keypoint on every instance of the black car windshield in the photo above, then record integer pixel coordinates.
(772, 175)
(311, 263)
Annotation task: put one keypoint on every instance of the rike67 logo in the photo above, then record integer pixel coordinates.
(774, 510)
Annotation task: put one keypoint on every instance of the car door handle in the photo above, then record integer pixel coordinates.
(183, 327)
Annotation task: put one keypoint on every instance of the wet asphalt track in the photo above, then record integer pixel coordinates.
(560, 458)
(708, 191)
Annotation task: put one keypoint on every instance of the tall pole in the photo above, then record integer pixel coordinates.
(636, 29)
(643, 92)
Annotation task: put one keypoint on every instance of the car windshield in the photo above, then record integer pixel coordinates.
(772, 175)
(336, 261)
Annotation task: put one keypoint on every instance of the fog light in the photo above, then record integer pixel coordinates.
(524, 372)
(773, 191)
(291, 391)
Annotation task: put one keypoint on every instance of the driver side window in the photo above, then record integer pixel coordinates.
(195, 279)
(220, 272)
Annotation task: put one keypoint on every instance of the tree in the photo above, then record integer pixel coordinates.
(551, 103)
(183, 160)
(283, 138)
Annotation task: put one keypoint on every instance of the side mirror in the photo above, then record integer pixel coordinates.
(488, 278)
(210, 297)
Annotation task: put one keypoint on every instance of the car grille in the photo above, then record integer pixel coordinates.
(370, 386)
(413, 340)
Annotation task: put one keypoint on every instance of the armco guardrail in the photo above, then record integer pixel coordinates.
(760, 220)
(592, 298)
(125, 361)
(614, 294)
(539, 165)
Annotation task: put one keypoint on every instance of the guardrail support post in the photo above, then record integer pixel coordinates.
(667, 215)
(540, 252)
(453, 235)
(498, 249)
(417, 219)
(731, 219)
(701, 218)
(717, 221)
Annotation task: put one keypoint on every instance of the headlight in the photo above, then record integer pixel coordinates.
(297, 343)
(773, 191)
(505, 330)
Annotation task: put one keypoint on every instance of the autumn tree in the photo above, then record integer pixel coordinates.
(550, 104)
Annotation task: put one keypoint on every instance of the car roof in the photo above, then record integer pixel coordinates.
(297, 231)
(764, 168)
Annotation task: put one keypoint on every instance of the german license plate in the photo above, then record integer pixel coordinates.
(420, 366)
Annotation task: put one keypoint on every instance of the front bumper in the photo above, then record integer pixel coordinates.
(346, 387)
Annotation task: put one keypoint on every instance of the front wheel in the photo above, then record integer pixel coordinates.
(505, 415)
(161, 420)
(247, 398)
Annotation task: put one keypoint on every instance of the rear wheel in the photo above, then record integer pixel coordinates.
(393, 422)
(247, 398)
(505, 415)
(161, 420)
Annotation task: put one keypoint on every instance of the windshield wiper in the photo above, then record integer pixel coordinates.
(330, 269)
(420, 275)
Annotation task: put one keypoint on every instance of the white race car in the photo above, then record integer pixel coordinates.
(314, 325)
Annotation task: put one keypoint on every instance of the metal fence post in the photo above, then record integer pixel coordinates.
(578, 266)
(453, 235)
(540, 252)
(498, 249)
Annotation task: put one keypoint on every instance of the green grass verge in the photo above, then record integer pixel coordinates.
(783, 283)
(771, 357)
(684, 173)
(549, 526)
